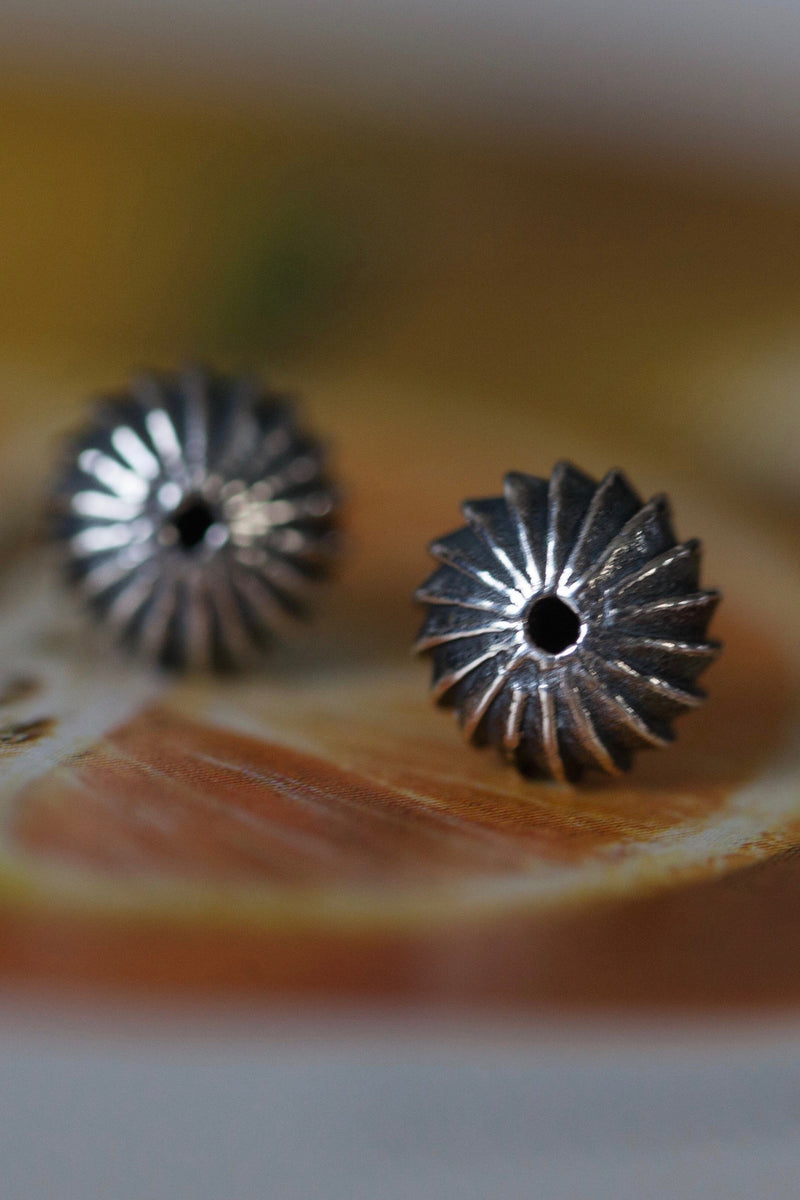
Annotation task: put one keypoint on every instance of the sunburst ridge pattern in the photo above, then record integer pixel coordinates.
(196, 518)
(566, 624)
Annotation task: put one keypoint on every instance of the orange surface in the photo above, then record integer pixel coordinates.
(165, 796)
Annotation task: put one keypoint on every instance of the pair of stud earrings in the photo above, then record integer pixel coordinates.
(566, 624)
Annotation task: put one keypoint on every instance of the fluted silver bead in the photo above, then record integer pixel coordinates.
(195, 518)
(566, 624)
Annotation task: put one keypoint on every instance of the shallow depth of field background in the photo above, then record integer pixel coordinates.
(473, 237)
(564, 223)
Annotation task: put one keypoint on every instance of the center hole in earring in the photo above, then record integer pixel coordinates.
(192, 521)
(552, 625)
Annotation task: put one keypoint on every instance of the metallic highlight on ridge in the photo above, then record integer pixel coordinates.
(566, 624)
(196, 518)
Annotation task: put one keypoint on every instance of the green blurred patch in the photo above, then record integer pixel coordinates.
(286, 283)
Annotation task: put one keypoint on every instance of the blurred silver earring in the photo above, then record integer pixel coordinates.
(195, 518)
(566, 624)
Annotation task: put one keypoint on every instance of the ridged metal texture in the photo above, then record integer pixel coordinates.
(566, 624)
(196, 517)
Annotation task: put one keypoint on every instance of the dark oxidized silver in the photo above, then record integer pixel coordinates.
(566, 624)
(196, 518)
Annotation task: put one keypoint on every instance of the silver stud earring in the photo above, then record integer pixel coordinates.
(566, 624)
(195, 518)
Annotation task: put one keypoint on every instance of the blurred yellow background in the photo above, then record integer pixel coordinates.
(450, 288)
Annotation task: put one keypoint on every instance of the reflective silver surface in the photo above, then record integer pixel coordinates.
(566, 624)
(196, 518)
